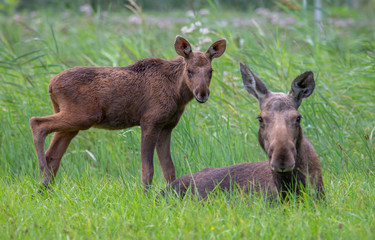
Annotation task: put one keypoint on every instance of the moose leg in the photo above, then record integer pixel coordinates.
(164, 154)
(59, 122)
(56, 150)
(149, 138)
(39, 137)
(316, 181)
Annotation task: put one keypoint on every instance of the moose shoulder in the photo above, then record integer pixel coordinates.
(151, 93)
(292, 160)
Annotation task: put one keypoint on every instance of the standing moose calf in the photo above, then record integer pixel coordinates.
(152, 93)
(292, 159)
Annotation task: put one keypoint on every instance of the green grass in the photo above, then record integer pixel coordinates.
(98, 191)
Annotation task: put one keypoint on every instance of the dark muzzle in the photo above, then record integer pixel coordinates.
(202, 95)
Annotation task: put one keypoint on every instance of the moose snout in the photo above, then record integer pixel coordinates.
(282, 159)
(201, 95)
(282, 168)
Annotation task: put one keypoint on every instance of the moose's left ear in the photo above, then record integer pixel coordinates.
(217, 49)
(302, 87)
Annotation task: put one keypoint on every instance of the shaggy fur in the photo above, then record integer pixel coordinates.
(151, 93)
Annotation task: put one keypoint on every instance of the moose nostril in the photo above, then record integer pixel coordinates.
(282, 167)
(276, 166)
(201, 95)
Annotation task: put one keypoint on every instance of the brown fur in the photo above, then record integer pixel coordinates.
(292, 159)
(151, 93)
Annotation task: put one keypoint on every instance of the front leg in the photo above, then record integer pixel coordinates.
(163, 149)
(319, 187)
(150, 135)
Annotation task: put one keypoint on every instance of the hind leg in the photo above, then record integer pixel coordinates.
(59, 122)
(56, 150)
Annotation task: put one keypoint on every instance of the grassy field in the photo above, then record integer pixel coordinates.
(98, 191)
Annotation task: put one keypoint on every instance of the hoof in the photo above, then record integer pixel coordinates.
(45, 186)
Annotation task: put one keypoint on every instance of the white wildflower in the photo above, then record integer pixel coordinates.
(86, 9)
(134, 19)
(17, 17)
(203, 40)
(204, 31)
(344, 22)
(186, 29)
(222, 23)
(190, 13)
(203, 12)
(262, 11)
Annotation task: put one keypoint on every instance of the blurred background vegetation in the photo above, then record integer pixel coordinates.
(10, 6)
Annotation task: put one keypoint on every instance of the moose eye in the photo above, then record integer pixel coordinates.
(260, 119)
(210, 73)
(298, 119)
(190, 73)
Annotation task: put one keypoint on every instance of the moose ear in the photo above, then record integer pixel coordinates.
(302, 87)
(182, 47)
(217, 49)
(252, 83)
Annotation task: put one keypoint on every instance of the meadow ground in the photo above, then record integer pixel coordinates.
(98, 191)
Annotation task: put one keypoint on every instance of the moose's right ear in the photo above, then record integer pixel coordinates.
(182, 47)
(302, 87)
(252, 83)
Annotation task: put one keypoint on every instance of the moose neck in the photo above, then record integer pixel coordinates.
(183, 92)
(185, 95)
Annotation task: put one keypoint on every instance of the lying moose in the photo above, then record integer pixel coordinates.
(151, 93)
(292, 159)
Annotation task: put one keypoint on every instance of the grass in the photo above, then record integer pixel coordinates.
(98, 192)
